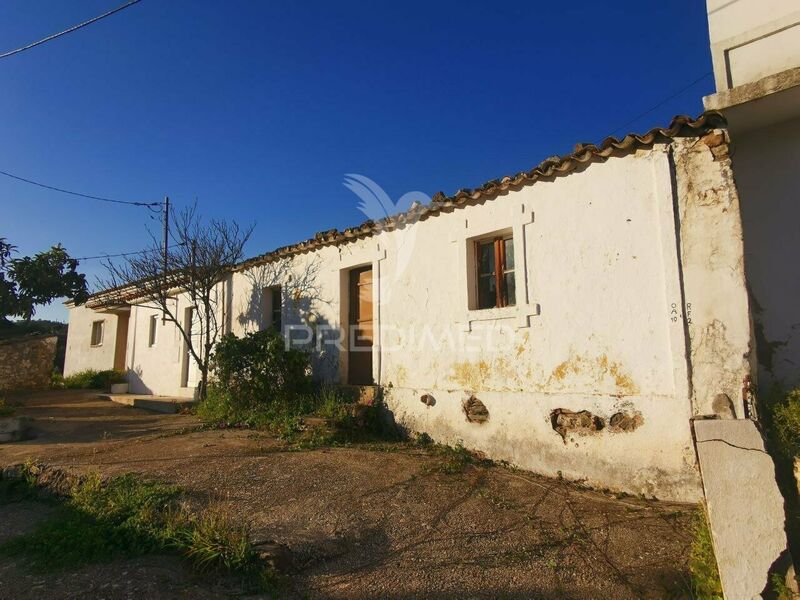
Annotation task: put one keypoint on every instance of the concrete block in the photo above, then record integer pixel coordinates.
(745, 506)
(162, 405)
(13, 429)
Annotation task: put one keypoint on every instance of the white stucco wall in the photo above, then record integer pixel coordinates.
(608, 262)
(751, 39)
(154, 369)
(80, 354)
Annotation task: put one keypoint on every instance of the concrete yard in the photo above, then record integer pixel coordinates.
(373, 521)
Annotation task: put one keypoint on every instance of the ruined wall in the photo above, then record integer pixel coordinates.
(27, 362)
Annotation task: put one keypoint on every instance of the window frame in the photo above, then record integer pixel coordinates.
(152, 333)
(101, 324)
(276, 308)
(272, 311)
(501, 270)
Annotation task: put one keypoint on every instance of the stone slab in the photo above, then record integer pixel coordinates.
(745, 506)
(160, 404)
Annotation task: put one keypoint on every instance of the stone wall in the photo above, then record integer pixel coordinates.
(27, 362)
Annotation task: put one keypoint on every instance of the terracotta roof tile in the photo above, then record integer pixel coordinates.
(555, 166)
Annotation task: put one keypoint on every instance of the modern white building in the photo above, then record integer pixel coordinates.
(571, 319)
(755, 47)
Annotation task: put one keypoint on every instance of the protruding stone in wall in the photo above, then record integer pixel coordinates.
(427, 400)
(625, 421)
(475, 410)
(718, 143)
(566, 422)
(723, 407)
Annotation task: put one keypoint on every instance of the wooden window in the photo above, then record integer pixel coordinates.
(153, 334)
(495, 272)
(97, 333)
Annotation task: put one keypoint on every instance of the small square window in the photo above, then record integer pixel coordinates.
(153, 334)
(97, 333)
(494, 259)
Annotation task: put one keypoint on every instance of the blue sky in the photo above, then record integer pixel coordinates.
(259, 109)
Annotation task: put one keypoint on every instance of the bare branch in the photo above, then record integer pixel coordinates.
(203, 256)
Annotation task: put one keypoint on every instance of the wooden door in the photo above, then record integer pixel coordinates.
(361, 330)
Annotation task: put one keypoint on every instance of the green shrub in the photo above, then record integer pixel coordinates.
(332, 404)
(5, 409)
(88, 380)
(258, 369)
(784, 417)
(213, 542)
(126, 516)
(702, 562)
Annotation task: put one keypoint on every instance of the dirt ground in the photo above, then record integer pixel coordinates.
(373, 521)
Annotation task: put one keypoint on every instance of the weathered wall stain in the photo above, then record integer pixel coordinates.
(471, 375)
(599, 369)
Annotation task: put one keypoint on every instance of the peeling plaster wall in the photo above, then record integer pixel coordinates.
(716, 310)
(602, 339)
(592, 329)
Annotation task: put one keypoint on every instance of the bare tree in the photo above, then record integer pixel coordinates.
(201, 256)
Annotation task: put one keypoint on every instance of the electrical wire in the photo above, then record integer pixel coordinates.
(660, 104)
(122, 254)
(66, 31)
(63, 191)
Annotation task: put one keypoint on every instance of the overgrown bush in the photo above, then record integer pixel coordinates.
(126, 516)
(258, 369)
(88, 380)
(257, 382)
(5, 409)
(784, 421)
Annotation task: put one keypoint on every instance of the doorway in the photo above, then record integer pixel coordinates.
(359, 359)
(189, 370)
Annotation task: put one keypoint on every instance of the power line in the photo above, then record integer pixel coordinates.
(660, 104)
(151, 250)
(66, 31)
(63, 191)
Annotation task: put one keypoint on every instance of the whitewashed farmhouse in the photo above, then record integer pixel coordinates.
(571, 319)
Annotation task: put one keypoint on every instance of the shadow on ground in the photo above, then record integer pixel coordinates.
(381, 521)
